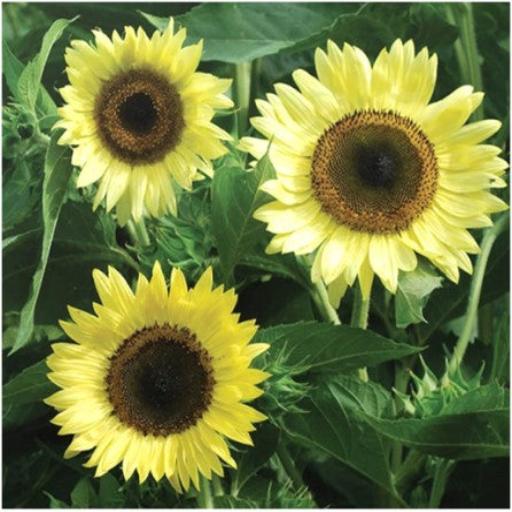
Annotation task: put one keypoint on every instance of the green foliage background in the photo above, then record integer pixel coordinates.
(353, 443)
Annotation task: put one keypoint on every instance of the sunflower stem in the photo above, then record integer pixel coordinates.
(321, 299)
(466, 49)
(490, 236)
(205, 498)
(138, 233)
(218, 490)
(360, 311)
(441, 474)
(289, 466)
(243, 94)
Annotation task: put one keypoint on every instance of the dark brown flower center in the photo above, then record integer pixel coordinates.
(374, 171)
(139, 116)
(160, 380)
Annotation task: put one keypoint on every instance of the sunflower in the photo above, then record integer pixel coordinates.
(157, 378)
(138, 116)
(369, 173)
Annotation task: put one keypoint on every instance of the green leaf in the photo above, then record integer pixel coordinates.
(83, 240)
(30, 79)
(55, 502)
(474, 426)
(246, 31)
(466, 436)
(328, 347)
(283, 265)
(57, 171)
(235, 197)
(109, 495)
(41, 332)
(484, 398)
(83, 495)
(254, 458)
(414, 289)
(333, 424)
(12, 68)
(23, 395)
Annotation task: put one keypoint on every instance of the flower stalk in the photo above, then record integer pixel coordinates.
(205, 498)
(490, 236)
(466, 49)
(243, 94)
(360, 312)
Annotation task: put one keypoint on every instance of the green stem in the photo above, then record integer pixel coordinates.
(360, 311)
(289, 466)
(218, 490)
(441, 475)
(138, 233)
(205, 498)
(475, 290)
(243, 94)
(321, 299)
(466, 49)
(411, 467)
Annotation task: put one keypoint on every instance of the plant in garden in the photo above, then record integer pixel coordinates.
(392, 392)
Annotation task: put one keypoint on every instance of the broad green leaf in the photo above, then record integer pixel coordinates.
(334, 348)
(235, 197)
(474, 426)
(12, 70)
(467, 436)
(23, 396)
(55, 502)
(83, 495)
(83, 240)
(31, 385)
(246, 31)
(356, 491)
(109, 495)
(276, 301)
(414, 289)
(265, 441)
(41, 332)
(284, 265)
(57, 171)
(30, 79)
(333, 424)
(484, 398)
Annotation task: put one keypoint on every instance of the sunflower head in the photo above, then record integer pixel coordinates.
(138, 115)
(370, 172)
(157, 379)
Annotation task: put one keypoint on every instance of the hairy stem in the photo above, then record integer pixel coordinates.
(138, 233)
(475, 290)
(441, 474)
(360, 311)
(243, 94)
(205, 498)
(322, 301)
(289, 466)
(466, 49)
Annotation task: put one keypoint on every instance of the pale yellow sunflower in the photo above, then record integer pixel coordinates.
(369, 173)
(138, 116)
(157, 378)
